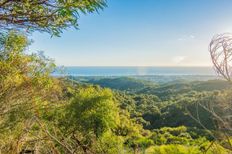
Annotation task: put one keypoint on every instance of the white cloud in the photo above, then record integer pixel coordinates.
(186, 37)
(192, 36)
(178, 59)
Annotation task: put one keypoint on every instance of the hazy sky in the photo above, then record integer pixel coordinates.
(141, 33)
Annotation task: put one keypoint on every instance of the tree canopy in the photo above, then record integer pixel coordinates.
(50, 16)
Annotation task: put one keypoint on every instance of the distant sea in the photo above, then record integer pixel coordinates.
(134, 71)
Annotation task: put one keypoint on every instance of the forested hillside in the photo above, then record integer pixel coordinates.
(41, 113)
(168, 106)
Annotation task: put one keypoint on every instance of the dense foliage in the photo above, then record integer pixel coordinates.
(50, 16)
(181, 103)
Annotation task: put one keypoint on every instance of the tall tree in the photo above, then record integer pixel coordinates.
(26, 90)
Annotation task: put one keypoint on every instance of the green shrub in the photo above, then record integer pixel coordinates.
(173, 149)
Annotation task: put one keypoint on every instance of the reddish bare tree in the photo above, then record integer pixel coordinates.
(221, 54)
(220, 108)
(219, 105)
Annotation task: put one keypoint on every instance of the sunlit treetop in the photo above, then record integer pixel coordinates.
(50, 16)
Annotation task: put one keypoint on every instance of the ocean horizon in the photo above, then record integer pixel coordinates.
(132, 71)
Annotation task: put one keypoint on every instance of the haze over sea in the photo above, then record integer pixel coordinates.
(135, 71)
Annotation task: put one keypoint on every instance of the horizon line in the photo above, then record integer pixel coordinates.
(124, 66)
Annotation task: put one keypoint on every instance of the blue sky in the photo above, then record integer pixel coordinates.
(141, 33)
